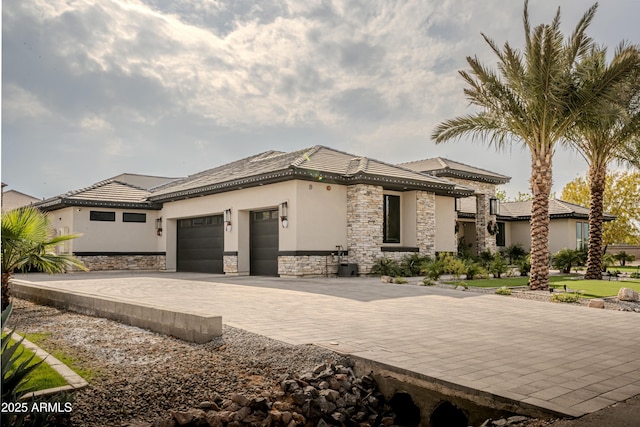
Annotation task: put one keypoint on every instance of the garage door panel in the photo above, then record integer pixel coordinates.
(200, 244)
(264, 243)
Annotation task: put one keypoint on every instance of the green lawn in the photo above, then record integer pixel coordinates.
(41, 378)
(75, 364)
(508, 281)
(625, 269)
(591, 288)
(599, 288)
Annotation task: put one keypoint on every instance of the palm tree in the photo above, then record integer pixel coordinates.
(603, 134)
(534, 99)
(27, 242)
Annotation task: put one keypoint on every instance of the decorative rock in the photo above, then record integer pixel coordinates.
(189, 416)
(596, 303)
(626, 294)
(460, 288)
(208, 405)
(213, 419)
(166, 422)
(516, 419)
(499, 423)
(239, 399)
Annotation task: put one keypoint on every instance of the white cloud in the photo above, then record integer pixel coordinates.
(19, 104)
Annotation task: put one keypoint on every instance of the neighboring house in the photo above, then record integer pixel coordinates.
(12, 199)
(306, 212)
(117, 223)
(568, 225)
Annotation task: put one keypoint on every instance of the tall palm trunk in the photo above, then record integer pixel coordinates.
(541, 179)
(597, 181)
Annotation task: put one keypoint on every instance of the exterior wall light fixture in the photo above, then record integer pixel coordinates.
(227, 219)
(494, 206)
(159, 226)
(283, 214)
(458, 204)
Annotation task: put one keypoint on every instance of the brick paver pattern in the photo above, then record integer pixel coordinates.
(569, 359)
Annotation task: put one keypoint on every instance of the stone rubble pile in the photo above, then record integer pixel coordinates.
(330, 395)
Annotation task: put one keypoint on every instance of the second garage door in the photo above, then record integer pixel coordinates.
(200, 244)
(264, 243)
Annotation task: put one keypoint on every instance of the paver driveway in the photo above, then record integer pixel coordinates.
(569, 359)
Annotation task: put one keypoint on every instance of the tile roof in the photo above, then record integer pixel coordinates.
(107, 193)
(522, 210)
(440, 166)
(314, 163)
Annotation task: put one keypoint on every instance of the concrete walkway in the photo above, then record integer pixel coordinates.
(566, 359)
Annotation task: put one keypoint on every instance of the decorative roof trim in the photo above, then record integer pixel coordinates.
(63, 202)
(453, 173)
(291, 173)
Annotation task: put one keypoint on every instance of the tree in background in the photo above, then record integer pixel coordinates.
(620, 198)
(27, 242)
(534, 99)
(601, 135)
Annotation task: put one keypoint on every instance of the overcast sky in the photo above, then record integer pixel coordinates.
(91, 89)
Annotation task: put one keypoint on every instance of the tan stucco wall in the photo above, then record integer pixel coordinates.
(318, 219)
(107, 236)
(117, 236)
(445, 224)
(519, 232)
(562, 234)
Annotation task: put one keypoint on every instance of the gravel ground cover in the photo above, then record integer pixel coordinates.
(140, 375)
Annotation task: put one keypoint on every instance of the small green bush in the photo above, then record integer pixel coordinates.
(434, 269)
(452, 265)
(568, 298)
(503, 291)
(524, 265)
(428, 282)
(412, 265)
(400, 280)
(565, 259)
(635, 275)
(485, 258)
(461, 283)
(513, 252)
(385, 267)
(473, 269)
(498, 266)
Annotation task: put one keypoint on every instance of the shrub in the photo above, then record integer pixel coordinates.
(15, 384)
(524, 265)
(568, 298)
(400, 280)
(452, 265)
(428, 282)
(503, 291)
(385, 267)
(565, 259)
(464, 250)
(472, 269)
(513, 252)
(412, 265)
(607, 260)
(623, 257)
(498, 266)
(485, 258)
(635, 275)
(434, 269)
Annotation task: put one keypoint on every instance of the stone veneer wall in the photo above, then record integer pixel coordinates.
(230, 264)
(307, 265)
(426, 223)
(123, 262)
(364, 225)
(484, 191)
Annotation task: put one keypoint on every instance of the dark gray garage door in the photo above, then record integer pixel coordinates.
(201, 244)
(264, 243)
